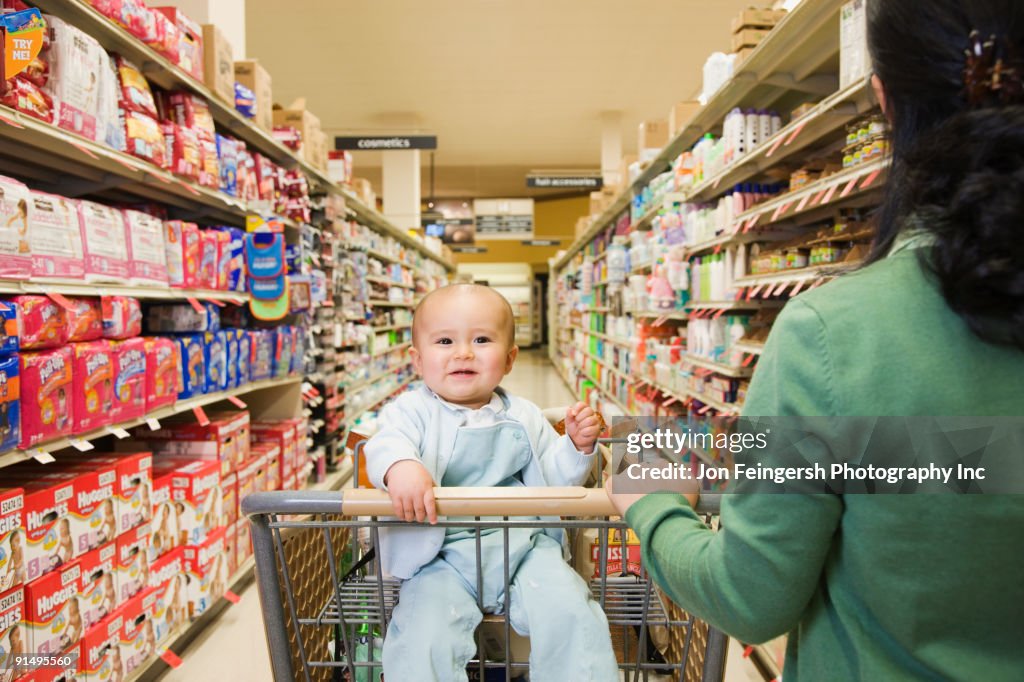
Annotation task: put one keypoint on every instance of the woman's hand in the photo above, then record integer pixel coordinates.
(623, 501)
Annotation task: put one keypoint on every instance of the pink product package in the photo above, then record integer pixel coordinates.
(15, 206)
(41, 322)
(122, 317)
(181, 240)
(208, 251)
(147, 256)
(92, 380)
(55, 237)
(75, 60)
(129, 380)
(46, 382)
(103, 243)
(224, 255)
(84, 319)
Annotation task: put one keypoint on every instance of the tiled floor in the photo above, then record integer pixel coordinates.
(234, 648)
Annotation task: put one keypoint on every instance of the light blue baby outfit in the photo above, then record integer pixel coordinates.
(431, 634)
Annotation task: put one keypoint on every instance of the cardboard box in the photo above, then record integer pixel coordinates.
(48, 539)
(748, 37)
(133, 486)
(132, 562)
(12, 629)
(854, 59)
(229, 489)
(219, 64)
(53, 616)
(243, 546)
(98, 597)
(191, 48)
(225, 439)
(12, 538)
(231, 548)
(282, 434)
(679, 115)
(137, 640)
(757, 18)
(165, 535)
(206, 572)
(167, 576)
(94, 515)
(743, 54)
(100, 652)
(195, 488)
(70, 673)
(296, 116)
(253, 76)
(652, 134)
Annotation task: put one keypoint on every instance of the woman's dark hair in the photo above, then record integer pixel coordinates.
(958, 168)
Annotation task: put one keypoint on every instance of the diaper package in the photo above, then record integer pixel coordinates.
(43, 323)
(147, 255)
(75, 61)
(163, 372)
(193, 365)
(55, 238)
(10, 402)
(136, 94)
(184, 155)
(84, 319)
(284, 348)
(9, 342)
(232, 357)
(261, 358)
(181, 241)
(182, 317)
(244, 355)
(222, 280)
(15, 206)
(215, 349)
(129, 365)
(46, 375)
(109, 127)
(208, 247)
(92, 383)
(143, 137)
(25, 96)
(103, 243)
(227, 157)
(236, 258)
(122, 317)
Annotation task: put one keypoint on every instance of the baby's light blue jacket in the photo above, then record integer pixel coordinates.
(419, 426)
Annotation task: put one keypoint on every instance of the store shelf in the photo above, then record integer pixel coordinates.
(376, 377)
(604, 363)
(392, 349)
(790, 277)
(749, 348)
(604, 337)
(726, 408)
(718, 368)
(731, 305)
(388, 282)
(674, 314)
(15, 456)
(375, 220)
(607, 396)
(389, 304)
(15, 287)
(392, 327)
(349, 423)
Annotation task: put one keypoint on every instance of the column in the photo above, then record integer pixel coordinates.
(611, 147)
(401, 179)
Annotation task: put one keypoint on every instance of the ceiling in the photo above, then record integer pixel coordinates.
(508, 86)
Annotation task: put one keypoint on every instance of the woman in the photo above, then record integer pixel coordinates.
(892, 587)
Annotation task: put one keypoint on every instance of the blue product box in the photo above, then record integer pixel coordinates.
(215, 355)
(10, 402)
(284, 347)
(232, 357)
(244, 355)
(299, 351)
(228, 159)
(236, 271)
(8, 328)
(261, 364)
(193, 365)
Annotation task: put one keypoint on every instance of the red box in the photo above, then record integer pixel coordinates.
(190, 48)
(283, 434)
(132, 490)
(272, 470)
(243, 545)
(13, 638)
(132, 562)
(165, 536)
(137, 637)
(70, 673)
(12, 538)
(129, 380)
(290, 483)
(225, 439)
(100, 652)
(163, 360)
(53, 614)
(206, 570)
(93, 514)
(197, 487)
(229, 511)
(48, 537)
(167, 576)
(231, 548)
(98, 597)
(246, 483)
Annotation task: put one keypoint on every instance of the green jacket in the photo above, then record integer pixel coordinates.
(869, 587)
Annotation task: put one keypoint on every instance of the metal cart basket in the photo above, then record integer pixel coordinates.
(326, 604)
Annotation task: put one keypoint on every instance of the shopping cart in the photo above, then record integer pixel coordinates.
(326, 604)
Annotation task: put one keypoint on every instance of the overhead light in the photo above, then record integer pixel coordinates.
(465, 204)
(430, 204)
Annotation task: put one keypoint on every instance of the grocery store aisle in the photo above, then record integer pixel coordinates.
(234, 647)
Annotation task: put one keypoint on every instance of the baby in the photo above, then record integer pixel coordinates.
(461, 429)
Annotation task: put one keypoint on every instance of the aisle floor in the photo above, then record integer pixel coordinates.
(234, 647)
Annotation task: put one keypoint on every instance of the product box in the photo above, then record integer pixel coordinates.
(9, 342)
(290, 483)
(229, 489)
(48, 539)
(679, 116)
(138, 636)
(182, 317)
(197, 487)
(45, 375)
(208, 252)
(193, 365)
(757, 18)
(167, 577)
(103, 242)
(12, 538)
(132, 562)
(246, 483)
(146, 250)
(100, 653)
(231, 548)
(244, 356)
(243, 543)
(122, 317)
(133, 485)
(98, 597)
(13, 638)
(261, 354)
(129, 366)
(15, 206)
(748, 37)
(93, 515)
(652, 134)
(296, 116)
(165, 536)
(53, 612)
(92, 386)
(281, 434)
(253, 76)
(10, 402)
(232, 358)
(226, 439)
(215, 347)
(163, 372)
(181, 240)
(219, 64)
(191, 47)
(854, 59)
(272, 472)
(206, 571)
(55, 238)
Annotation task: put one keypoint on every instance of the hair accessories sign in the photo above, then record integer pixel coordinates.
(21, 34)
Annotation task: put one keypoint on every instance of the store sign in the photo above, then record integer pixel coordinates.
(542, 242)
(388, 143)
(469, 249)
(504, 218)
(22, 40)
(591, 182)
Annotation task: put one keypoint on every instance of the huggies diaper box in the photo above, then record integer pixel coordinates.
(138, 637)
(231, 548)
(206, 571)
(48, 538)
(132, 562)
(12, 538)
(282, 434)
(13, 634)
(98, 597)
(100, 652)
(94, 512)
(53, 613)
(225, 439)
(164, 536)
(243, 545)
(229, 487)
(195, 488)
(167, 577)
(132, 486)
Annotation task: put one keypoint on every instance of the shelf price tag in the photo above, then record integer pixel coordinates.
(803, 203)
(219, 304)
(849, 187)
(189, 187)
(11, 122)
(237, 402)
(749, 360)
(117, 431)
(780, 288)
(830, 193)
(799, 287)
(170, 658)
(775, 147)
(201, 415)
(796, 133)
(747, 651)
(61, 300)
(82, 148)
(232, 597)
(196, 305)
(870, 180)
(81, 445)
(818, 197)
(42, 456)
(153, 423)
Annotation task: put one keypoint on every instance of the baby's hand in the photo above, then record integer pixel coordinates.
(582, 426)
(412, 491)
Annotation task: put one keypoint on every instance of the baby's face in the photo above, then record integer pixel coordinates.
(462, 346)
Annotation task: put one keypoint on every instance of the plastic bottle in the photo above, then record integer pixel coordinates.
(617, 261)
(764, 125)
(752, 130)
(776, 122)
